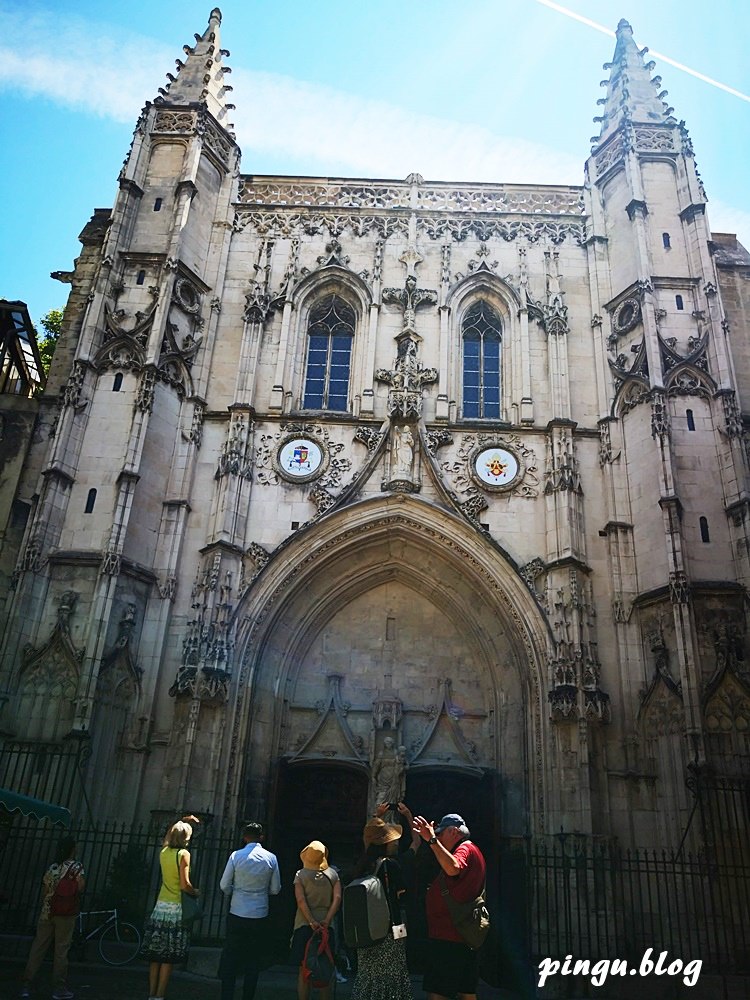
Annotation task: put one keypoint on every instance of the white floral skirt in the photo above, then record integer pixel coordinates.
(164, 937)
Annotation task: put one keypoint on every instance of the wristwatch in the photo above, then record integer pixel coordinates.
(432, 840)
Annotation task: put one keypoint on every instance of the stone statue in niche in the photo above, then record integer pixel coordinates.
(388, 780)
(403, 453)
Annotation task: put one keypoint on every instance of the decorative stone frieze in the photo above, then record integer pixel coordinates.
(485, 198)
(282, 223)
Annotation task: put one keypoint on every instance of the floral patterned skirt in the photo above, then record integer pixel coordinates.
(382, 973)
(164, 937)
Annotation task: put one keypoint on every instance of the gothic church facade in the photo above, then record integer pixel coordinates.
(328, 468)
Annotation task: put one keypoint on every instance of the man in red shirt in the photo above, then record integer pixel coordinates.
(452, 966)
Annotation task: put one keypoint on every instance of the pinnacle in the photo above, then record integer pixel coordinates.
(200, 76)
(632, 94)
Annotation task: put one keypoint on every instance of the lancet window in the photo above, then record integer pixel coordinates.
(330, 333)
(482, 340)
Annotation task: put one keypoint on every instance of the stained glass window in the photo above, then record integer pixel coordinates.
(330, 331)
(481, 343)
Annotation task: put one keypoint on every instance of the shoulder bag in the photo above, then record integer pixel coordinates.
(192, 908)
(471, 919)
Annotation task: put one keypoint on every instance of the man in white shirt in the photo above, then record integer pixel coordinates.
(250, 877)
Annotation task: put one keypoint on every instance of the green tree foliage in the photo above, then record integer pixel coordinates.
(52, 326)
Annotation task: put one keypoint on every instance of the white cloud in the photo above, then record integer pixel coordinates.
(78, 66)
(373, 138)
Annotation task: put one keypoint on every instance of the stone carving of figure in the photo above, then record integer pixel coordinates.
(389, 774)
(65, 609)
(411, 301)
(403, 452)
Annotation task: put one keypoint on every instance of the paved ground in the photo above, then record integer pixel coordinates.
(99, 982)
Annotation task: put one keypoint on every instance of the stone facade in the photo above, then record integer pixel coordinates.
(275, 534)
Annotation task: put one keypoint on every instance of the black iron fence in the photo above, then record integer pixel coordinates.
(122, 870)
(568, 897)
(552, 898)
(48, 771)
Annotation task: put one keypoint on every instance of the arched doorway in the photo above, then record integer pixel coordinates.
(394, 614)
(318, 801)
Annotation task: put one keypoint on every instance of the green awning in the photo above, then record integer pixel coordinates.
(14, 802)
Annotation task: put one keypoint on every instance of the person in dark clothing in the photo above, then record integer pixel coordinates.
(382, 973)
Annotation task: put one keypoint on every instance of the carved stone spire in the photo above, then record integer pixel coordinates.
(632, 94)
(201, 76)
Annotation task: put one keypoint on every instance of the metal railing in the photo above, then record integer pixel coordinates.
(569, 897)
(122, 870)
(556, 897)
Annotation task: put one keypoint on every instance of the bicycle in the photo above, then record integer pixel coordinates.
(119, 941)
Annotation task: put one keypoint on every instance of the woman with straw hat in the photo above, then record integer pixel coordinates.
(382, 973)
(317, 890)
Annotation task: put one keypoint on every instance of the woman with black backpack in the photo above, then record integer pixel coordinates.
(62, 885)
(382, 973)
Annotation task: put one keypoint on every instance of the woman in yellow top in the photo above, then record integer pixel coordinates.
(165, 940)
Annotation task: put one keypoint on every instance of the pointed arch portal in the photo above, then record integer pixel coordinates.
(390, 616)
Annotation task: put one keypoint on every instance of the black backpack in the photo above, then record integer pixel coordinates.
(317, 965)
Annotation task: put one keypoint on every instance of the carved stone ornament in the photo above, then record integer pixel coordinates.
(732, 416)
(529, 573)
(236, 458)
(512, 466)
(268, 456)
(496, 468)
(605, 443)
(299, 459)
(660, 422)
(370, 437)
(407, 379)
(626, 316)
(437, 439)
(187, 295)
(71, 395)
(563, 703)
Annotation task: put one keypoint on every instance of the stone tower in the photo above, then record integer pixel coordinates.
(98, 573)
(673, 461)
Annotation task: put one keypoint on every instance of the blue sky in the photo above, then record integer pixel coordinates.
(495, 90)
